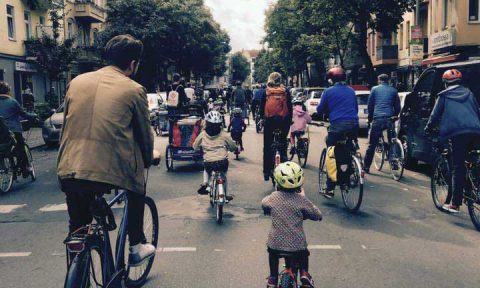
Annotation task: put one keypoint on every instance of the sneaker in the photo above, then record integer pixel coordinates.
(272, 282)
(203, 189)
(229, 197)
(451, 208)
(306, 280)
(329, 194)
(139, 253)
(266, 177)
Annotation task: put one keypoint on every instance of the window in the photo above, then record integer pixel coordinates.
(400, 41)
(28, 25)
(474, 10)
(394, 38)
(70, 29)
(11, 22)
(408, 36)
(445, 14)
(42, 21)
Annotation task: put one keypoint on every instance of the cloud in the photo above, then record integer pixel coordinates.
(243, 20)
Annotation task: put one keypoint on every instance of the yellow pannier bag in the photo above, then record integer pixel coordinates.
(331, 164)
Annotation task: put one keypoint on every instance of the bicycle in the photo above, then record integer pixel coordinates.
(90, 261)
(259, 122)
(217, 191)
(300, 148)
(441, 181)
(10, 170)
(289, 276)
(352, 196)
(391, 150)
(277, 155)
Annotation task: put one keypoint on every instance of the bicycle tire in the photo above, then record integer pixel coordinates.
(302, 159)
(6, 176)
(78, 275)
(399, 160)
(350, 201)
(152, 238)
(440, 183)
(169, 158)
(33, 176)
(286, 281)
(322, 173)
(379, 156)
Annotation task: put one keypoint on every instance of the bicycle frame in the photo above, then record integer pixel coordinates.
(218, 180)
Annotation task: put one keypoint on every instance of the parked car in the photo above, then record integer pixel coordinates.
(313, 100)
(419, 105)
(402, 96)
(52, 127)
(362, 99)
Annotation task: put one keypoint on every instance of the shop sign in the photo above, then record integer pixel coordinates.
(24, 67)
(416, 51)
(443, 39)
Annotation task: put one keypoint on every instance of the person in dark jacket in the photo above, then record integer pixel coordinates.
(339, 103)
(457, 113)
(183, 98)
(12, 113)
(278, 116)
(199, 101)
(383, 103)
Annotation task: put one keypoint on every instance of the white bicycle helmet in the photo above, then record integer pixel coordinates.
(289, 175)
(214, 117)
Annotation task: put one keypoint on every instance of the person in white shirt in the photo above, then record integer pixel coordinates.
(190, 92)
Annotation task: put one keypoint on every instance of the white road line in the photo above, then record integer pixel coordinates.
(219, 250)
(5, 209)
(53, 207)
(324, 247)
(177, 249)
(15, 254)
(364, 247)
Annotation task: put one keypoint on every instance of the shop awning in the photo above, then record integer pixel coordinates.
(440, 59)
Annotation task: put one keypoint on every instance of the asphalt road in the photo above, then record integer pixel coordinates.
(397, 240)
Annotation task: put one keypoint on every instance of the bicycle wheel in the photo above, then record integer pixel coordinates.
(169, 158)
(6, 174)
(379, 156)
(86, 268)
(30, 162)
(218, 203)
(290, 154)
(286, 280)
(302, 152)
(440, 183)
(474, 210)
(397, 160)
(322, 173)
(353, 195)
(136, 276)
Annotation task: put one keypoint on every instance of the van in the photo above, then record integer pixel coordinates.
(419, 105)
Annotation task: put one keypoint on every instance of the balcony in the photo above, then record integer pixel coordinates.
(386, 55)
(88, 11)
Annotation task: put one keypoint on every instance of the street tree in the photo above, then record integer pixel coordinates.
(240, 67)
(266, 63)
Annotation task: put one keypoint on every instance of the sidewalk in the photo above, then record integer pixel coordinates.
(34, 137)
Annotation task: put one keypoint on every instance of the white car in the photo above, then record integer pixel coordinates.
(313, 100)
(362, 99)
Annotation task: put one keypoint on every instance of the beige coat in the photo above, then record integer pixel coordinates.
(106, 134)
(214, 148)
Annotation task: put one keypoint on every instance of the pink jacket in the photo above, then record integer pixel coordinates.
(300, 119)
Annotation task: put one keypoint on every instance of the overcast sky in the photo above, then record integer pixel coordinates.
(243, 20)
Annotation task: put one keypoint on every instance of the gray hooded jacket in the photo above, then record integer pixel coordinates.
(456, 111)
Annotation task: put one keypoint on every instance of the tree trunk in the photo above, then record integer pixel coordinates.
(363, 51)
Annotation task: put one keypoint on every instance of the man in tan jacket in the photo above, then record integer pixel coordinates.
(107, 141)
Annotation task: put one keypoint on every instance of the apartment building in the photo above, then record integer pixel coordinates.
(19, 22)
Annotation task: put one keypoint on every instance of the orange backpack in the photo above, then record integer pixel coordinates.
(276, 104)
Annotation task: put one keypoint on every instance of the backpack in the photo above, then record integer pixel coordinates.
(7, 139)
(276, 103)
(239, 97)
(173, 98)
(331, 164)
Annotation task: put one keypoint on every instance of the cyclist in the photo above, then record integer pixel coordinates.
(276, 109)
(383, 103)
(106, 127)
(289, 207)
(199, 101)
(240, 98)
(457, 113)
(300, 120)
(237, 126)
(339, 102)
(12, 112)
(257, 98)
(215, 145)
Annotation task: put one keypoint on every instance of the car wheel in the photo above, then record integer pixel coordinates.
(409, 160)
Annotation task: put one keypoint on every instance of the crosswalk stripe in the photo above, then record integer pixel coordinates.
(5, 209)
(53, 207)
(177, 249)
(15, 254)
(324, 247)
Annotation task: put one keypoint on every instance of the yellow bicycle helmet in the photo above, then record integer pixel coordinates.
(289, 175)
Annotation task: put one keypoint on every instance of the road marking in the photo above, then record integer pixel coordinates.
(54, 207)
(219, 250)
(364, 247)
(177, 249)
(324, 247)
(5, 209)
(15, 254)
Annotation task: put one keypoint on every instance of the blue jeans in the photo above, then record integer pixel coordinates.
(378, 126)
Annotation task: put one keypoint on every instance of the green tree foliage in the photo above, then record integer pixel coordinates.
(240, 67)
(266, 63)
(175, 33)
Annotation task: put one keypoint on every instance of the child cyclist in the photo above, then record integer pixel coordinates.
(300, 120)
(237, 126)
(215, 144)
(288, 208)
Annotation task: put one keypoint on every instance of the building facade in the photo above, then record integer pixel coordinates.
(19, 22)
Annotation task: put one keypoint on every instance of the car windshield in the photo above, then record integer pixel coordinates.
(316, 94)
(362, 99)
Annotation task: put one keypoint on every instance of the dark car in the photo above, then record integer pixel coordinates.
(419, 105)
